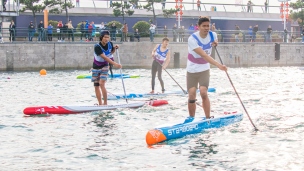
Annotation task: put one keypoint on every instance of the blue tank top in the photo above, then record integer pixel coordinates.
(98, 60)
(160, 56)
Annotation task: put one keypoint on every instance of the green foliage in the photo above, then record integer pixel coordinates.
(117, 24)
(143, 28)
(122, 9)
(53, 23)
(297, 15)
(169, 12)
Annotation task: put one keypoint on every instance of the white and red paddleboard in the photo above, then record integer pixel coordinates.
(38, 110)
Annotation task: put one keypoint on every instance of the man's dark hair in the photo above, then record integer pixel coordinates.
(166, 39)
(106, 32)
(202, 19)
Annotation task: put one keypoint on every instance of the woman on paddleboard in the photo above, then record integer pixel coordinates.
(103, 52)
(198, 65)
(161, 56)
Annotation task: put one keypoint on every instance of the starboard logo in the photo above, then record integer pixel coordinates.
(183, 129)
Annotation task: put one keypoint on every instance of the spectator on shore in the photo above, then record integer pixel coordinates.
(12, 31)
(152, 32)
(250, 33)
(4, 4)
(137, 35)
(268, 34)
(90, 31)
(254, 32)
(302, 34)
(60, 34)
(40, 31)
(93, 31)
(196, 27)
(87, 30)
(77, 3)
(213, 28)
(102, 27)
(198, 3)
(165, 31)
(163, 4)
(249, 6)
(124, 34)
(70, 31)
(266, 6)
(285, 35)
(174, 30)
(236, 34)
(113, 32)
(31, 31)
(50, 32)
(82, 30)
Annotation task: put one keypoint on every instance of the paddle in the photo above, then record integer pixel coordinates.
(236, 91)
(123, 85)
(184, 91)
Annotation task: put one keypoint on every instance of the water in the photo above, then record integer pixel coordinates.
(115, 140)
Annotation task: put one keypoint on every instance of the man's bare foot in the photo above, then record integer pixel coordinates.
(152, 92)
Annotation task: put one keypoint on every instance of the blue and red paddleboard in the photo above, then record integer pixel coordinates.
(190, 126)
(38, 110)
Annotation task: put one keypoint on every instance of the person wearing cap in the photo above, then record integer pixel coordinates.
(31, 31)
(103, 52)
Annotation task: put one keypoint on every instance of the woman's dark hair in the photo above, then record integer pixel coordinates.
(103, 33)
(202, 19)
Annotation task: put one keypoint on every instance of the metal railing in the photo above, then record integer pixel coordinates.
(71, 35)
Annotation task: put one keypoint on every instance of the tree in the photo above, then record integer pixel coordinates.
(36, 6)
(123, 8)
(166, 13)
(298, 15)
(60, 6)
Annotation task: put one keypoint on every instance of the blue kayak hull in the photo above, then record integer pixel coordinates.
(148, 95)
(190, 126)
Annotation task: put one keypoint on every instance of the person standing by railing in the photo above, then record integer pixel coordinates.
(254, 32)
(4, 4)
(137, 35)
(268, 34)
(250, 32)
(266, 6)
(124, 33)
(40, 31)
(113, 32)
(12, 30)
(152, 32)
(60, 27)
(70, 31)
(165, 31)
(198, 3)
(50, 32)
(82, 30)
(77, 3)
(31, 31)
(302, 35)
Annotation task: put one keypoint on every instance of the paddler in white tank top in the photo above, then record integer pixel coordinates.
(161, 56)
(198, 65)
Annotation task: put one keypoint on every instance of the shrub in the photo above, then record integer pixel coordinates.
(143, 28)
(117, 24)
(53, 23)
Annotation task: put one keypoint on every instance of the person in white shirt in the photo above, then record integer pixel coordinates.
(198, 65)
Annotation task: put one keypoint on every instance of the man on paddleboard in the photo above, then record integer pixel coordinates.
(103, 52)
(161, 56)
(198, 65)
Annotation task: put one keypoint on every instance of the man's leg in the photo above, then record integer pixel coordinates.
(205, 100)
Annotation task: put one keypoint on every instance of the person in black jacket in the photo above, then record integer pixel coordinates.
(82, 30)
(12, 30)
(40, 31)
(31, 31)
(4, 4)
(254, 32)
(113, 32)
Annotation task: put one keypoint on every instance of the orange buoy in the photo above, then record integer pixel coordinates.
(43, 72)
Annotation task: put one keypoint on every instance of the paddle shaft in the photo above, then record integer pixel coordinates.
(237, 94)
(123, 85)
(185, 92)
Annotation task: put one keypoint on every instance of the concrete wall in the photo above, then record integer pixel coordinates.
(58, 56)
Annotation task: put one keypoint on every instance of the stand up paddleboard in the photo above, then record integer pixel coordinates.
(148, 95)
(190, 126)
(116, 75)
(38, 110)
